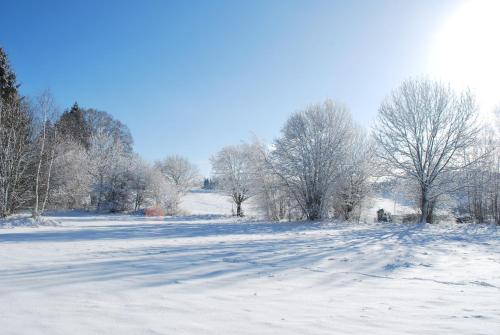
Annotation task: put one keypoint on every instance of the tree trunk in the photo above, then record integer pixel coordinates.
(430, 211)
(238, 209)
(424, 206)
(99, 199)
(49, 174)
(37, 178)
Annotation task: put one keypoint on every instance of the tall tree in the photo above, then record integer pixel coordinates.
(232, 169)
(311, 153)
(73, 126)
(8, 85)
(421, 131)
(44, 150)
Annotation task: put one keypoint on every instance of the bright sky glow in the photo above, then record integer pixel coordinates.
(466, 51)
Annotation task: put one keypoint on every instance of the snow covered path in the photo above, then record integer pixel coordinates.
(216, 275)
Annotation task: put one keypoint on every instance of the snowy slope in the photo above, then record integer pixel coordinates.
(202, 202)
(217, 275)
(371, 205)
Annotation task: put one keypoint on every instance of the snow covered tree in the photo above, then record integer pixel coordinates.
(310, 155)
(353, 184)
(118, 193)
(180, 176)
(421, 131)
(107, 166)
(45, 148)
(159, 190)
(478, 185)
(99, 121)
(269, 190)
(71, 180)
(140, 180)
(179, 172)
(232, 169)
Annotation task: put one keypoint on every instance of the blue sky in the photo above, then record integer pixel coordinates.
(189, 77)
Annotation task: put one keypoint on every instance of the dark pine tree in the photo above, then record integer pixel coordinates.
(15, 142)
(73, 125)
(8, 86)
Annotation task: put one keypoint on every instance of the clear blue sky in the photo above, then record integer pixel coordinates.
(189, 77)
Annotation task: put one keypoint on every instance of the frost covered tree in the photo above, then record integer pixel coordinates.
(118, 193)
(353, 184)
(160, 191)
(99, 121)
(270, 192)
(72, 180)
(421, 131)
(310, 155)
(107, 166)
(140, 180)
(179, 172)
(478, 195)
(231, 167)
(180, 176)
(44, 150)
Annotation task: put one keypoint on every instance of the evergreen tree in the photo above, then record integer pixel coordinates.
(72, 125)
(15, 142)
(8, 86)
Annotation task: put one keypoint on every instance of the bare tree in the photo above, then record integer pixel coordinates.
(15, 155)
(232, 168)
(353, 184)
(270, 192)
(159, 190)
(311, 154)
(180, 176)
(478, 198)
(71, 175)
(105, 154)
(421, 131)
(140, 180)
(179, 172)
(45, 146)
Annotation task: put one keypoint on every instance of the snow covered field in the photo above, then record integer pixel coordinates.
(217, 275)
(201, 202)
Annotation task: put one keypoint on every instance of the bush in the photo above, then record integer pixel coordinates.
(154, 211)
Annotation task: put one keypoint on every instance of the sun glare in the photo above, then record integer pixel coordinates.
(466, 51)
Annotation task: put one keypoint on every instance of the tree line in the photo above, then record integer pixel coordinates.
(427, 144)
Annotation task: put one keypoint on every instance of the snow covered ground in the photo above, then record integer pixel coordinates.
(212, 274)
(203, 202)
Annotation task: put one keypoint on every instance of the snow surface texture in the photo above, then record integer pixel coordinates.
(211, 274)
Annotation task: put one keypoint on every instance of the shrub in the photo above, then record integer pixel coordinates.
(154, 211)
